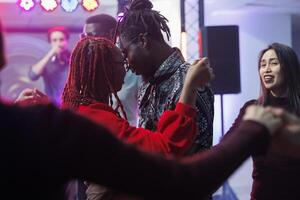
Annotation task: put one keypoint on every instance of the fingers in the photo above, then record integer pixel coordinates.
(291, 127)
(211, 72)
(284, 115)
(290, 118)
(27, 91)
(199, 73)
(274, 119)
(264, 116)
(277, 111)
(274, 124)
(201, 61)
(25, 94)
(86, 183)
(195, 62)
(285, 125)
(39, 93)
(31, 96)
(205, 61)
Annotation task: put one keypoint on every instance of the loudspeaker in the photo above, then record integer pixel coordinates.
(221, 45)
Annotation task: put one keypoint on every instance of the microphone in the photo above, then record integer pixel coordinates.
(53, 59)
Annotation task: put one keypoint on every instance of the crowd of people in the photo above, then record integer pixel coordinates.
(88, 143)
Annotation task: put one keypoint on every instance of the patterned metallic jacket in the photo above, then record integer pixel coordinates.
(163, 91)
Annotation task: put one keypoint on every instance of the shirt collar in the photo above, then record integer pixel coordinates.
(170, 65)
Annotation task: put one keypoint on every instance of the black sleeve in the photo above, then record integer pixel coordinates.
(33, 76)
(205, 117)
(50, 146)
(89, 152)
(211, 168)
(240, 116)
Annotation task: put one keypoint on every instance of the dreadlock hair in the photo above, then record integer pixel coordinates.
(290, 68)
(140, 18)
(91, 76)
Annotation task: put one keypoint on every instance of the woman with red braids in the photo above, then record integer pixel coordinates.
(97, 72)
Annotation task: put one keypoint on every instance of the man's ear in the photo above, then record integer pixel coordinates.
(144, 39)
(112, 35)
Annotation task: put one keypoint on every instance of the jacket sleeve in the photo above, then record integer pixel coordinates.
(75, 147)
(175, 132)
(33, 76)
(51, 146)
(209, 169)
(240, 116)
(205, 118)
(80, 149)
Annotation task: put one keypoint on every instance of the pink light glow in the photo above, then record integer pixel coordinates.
(49, 5)
(26, 4)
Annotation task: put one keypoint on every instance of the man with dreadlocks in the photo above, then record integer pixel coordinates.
(163, 70)
(97, 72)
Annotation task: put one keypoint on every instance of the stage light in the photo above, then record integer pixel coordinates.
(69, 5)
(90, 5)
(183, 44)
(49, 5)
(200, 44)
(120, 16)
(26, 4)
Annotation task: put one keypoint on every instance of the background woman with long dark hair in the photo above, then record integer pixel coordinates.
(276, 172)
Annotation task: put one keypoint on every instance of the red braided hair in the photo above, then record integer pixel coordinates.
(91, 77)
